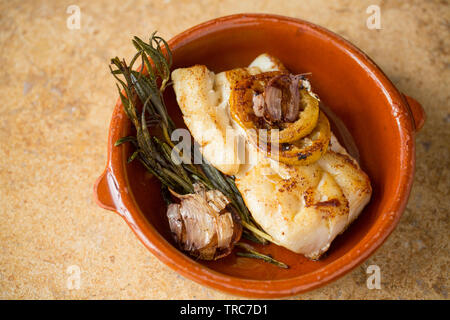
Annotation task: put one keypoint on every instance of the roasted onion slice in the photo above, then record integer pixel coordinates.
(274, 100)
(303, 151)
(204, 224)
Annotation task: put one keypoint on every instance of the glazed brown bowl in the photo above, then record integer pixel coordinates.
(382, 121)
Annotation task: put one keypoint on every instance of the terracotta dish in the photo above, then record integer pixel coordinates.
(382, 121)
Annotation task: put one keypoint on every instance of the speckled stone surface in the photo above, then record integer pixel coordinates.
(57, 99)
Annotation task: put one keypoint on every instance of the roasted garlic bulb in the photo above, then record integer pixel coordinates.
(204, 224)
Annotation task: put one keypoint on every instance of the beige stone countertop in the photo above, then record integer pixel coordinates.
(58, 97)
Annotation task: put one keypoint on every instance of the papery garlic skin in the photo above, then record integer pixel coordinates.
(204, 224)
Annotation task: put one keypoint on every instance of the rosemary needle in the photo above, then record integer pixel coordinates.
(250, 253)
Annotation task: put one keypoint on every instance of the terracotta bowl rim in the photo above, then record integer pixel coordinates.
(128, 208)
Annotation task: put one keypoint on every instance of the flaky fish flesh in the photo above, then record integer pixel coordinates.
(302, 207)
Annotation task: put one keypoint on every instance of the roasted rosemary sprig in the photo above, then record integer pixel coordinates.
(141, 93)
(251, 253)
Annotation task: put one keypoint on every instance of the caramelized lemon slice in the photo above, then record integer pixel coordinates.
(242, 108)
(304, 151)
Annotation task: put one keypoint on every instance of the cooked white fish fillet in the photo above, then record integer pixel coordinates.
(303, 208)
(203, 223)
(265, 63)
(205, 114)
(203, 99)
